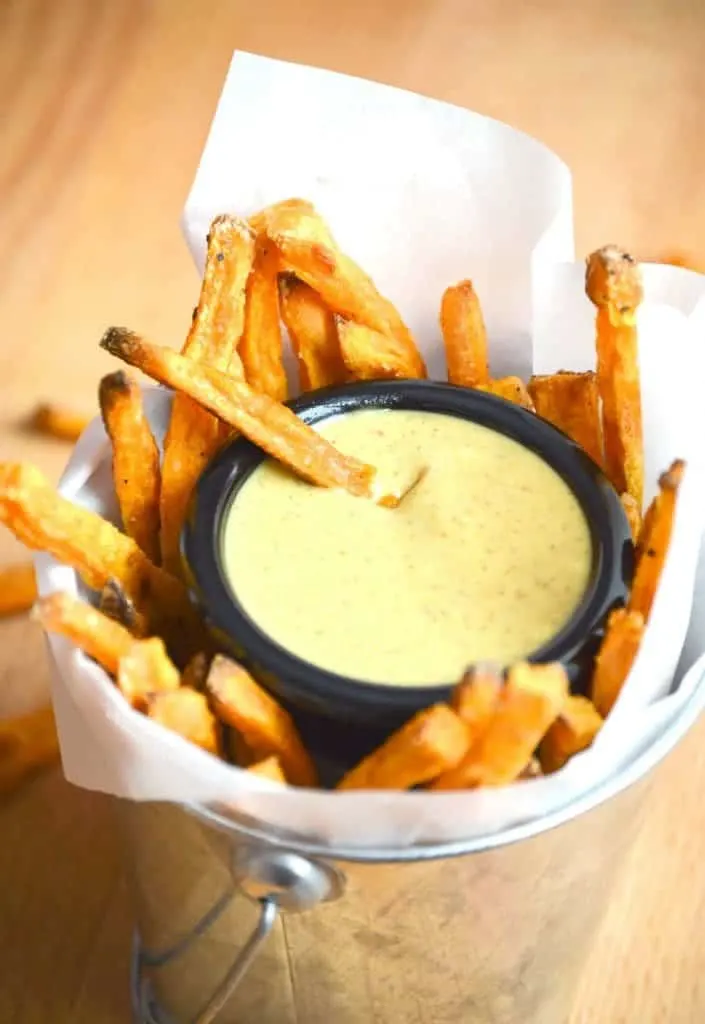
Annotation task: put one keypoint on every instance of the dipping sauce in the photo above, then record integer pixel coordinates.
(484, 560)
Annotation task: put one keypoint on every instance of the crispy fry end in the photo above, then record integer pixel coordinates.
(268, 730)
(432, 742)
(573, 731)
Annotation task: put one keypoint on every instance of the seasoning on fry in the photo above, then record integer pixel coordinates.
(115, 603)
(573, 731)
(308, 250)
(102, 639)
(27, 745)
(44, 520)
(464, 336)
(136, 460)
(18, 589)
(372, 355)
(270, 769)
(613, 662)
(613, 284)
(267, 423)
(313, 334)
(432, 742)
(653, 547)
(261, 345)
(267, 728)
(187, 713)
(532, 699)
(511, 389)
(194, 434)
(145, 669)
(570, 402)
(59, 422)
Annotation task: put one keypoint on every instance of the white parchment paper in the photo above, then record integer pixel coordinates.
(421, 194)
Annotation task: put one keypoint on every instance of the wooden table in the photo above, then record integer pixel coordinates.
(106, 106)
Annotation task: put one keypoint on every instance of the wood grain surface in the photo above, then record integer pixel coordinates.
(105, 106)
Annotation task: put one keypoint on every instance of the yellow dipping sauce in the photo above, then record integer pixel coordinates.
(485, 560)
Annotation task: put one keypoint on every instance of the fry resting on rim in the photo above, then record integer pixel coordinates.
(194, 434)
(186, 712)
(268, 424)
(613, 284)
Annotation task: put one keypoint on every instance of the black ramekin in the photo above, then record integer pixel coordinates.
(363, 711)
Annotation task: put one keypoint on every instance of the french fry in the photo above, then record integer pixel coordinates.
(18, 589)
(267, 423)
(308, 250)
(570, 402)
(631, 511)
(238, 751)
(115, 603)
(268, 730)
(44, 520)
(533, 770)
(261, 345)
(186, 712)
(615, 657)
(372, 355)
(270, 769)
(532, 698)
(432, 742)
(613, 284)
(136, 460)
(145, 669)
(511, 389)
(574, 730)
(59, 422)
(27, 745)
(653, 548)
(464, 336)
(196, 671)
(313, 334)
(102, 639)
(476, 696)
(194, 434)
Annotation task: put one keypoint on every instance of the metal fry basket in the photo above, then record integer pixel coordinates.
(240, 925)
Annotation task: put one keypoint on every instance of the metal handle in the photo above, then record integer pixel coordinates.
(267, 919)
(276, 880)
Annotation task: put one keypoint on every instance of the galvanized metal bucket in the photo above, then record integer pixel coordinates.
(240, 925)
